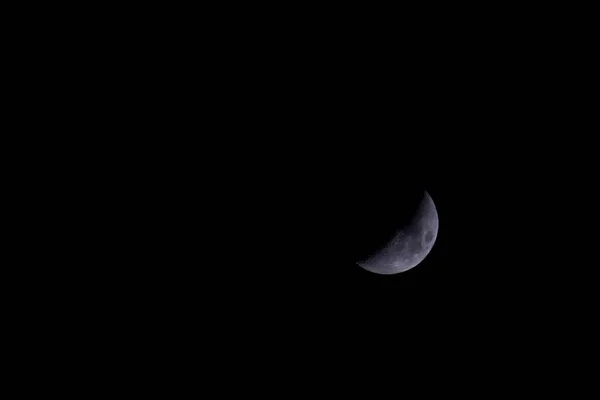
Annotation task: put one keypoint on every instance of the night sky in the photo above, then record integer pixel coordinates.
(290, 203)
(296, 162)
(248, 157)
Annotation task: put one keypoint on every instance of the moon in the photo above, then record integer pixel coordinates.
(409, 245)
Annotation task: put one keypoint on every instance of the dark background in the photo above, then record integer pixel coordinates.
(208, 179)
(261, 159)
(290, 149)
(290, 182)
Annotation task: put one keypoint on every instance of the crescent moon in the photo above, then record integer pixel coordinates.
(410, 245)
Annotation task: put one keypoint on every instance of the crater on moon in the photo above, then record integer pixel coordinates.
(429, 236)
(414, 246)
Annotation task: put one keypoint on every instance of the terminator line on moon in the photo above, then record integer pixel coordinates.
(410, 245)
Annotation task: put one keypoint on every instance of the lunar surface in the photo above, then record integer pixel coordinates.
(410, 245)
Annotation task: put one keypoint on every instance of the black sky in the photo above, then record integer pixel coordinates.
(324, 151)
(292, 153)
